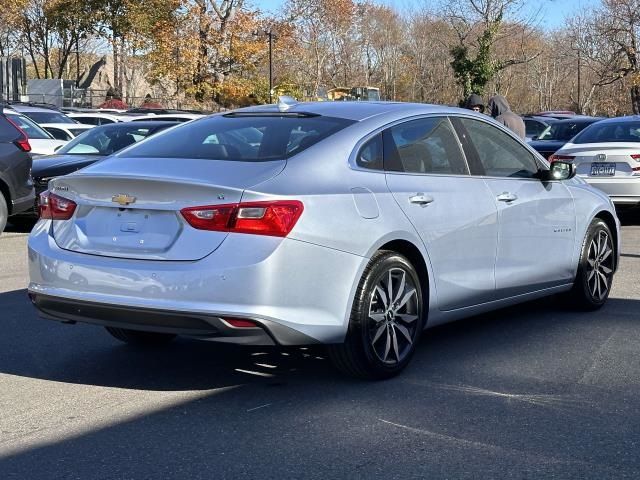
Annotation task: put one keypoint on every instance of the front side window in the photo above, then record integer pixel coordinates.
(499, 154)
(427, 146)
(370, 155)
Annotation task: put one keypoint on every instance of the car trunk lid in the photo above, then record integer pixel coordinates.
(137, 215)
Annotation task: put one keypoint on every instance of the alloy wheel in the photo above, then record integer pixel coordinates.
(393, 315)
(600, 265)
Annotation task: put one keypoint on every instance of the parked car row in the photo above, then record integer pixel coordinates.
(356, 225)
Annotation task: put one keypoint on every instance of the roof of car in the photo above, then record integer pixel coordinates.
(354, 110)
(581, 119)
(142, 124)
(67, 125)
(628, 118)
(33, 108)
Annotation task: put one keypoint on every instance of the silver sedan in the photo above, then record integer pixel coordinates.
(351, 224)
(607, 155)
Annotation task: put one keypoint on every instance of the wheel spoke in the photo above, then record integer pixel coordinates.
(595, 285)
(390, 288)
(387, 346)
(395, 343)
(406, 318)
(598, 284)
(383, 297)
(379, 333)
(606, 270)
(606, 254)
(591, 263)
(406, 298)
(591, 274)
(376, 317)
(405, 331)
(403, 281)
(599, 243)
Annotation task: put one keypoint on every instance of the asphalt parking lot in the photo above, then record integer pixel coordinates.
(535, 391)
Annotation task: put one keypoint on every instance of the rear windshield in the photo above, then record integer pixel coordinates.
(32, 129)
(242, 138)
(563, 131)
(49, 117)
(105, 140)
(610, 132)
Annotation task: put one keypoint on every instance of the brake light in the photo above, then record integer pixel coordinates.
(561, 158)
(636, 157)
(240, 322)
(276, 218)
(55, 207)
(21, 142)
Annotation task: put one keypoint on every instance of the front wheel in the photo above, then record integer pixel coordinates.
(386, 320)
(595, 271)
(139, 338)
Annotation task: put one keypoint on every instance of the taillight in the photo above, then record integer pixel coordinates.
(239, 322)
(22, 142)
(276, 218)
(636, 157)
(55, 207)
(561, 158)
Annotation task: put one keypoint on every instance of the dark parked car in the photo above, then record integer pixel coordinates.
(559, 133)
(88, 148)
(535, 125)
(16, 187)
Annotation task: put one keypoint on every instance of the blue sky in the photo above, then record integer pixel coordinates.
(552, 12)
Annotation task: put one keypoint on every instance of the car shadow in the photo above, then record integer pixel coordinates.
(85, 354)
(286, 413)
(20, 225)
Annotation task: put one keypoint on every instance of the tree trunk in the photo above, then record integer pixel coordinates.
(635, 99)
(116, 59)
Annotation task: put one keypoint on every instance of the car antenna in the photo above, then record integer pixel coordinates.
(285, 103)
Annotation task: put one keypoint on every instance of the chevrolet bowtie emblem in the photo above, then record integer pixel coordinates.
(123, 199)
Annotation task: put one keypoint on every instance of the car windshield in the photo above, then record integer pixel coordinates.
(32, 129)
(562, 131)
(250, 137)
(610, 132)
(49, 117)
(105, 140)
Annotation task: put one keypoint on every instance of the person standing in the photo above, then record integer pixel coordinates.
(475, 103)
(500, 110)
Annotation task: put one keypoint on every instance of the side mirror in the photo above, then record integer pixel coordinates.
(559, 170)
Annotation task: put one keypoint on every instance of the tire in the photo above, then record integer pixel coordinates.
(4, 213)
(139, 338)
(595, 270)
(380, 340)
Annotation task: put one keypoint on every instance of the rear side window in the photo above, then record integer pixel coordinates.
(428, 145)
(251, 138)
(370, 155)
(8, 133)
(58, 134)
(31, 128)
(49, 117)
(610, 132)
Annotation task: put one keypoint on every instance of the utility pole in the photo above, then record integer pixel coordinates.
(270, 33)
(271, 37)
(579, 86)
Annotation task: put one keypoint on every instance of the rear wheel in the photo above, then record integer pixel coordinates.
(386, 320)
(135, 337)
(595, 270)
(4, 212)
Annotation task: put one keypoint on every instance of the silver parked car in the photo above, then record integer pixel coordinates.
(351, 224)
(607, 156)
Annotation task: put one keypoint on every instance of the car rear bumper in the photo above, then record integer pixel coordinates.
(298, 292)
(624, 190)
(23, 204)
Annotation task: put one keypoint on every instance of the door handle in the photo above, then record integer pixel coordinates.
(421, 199)
(507, 197)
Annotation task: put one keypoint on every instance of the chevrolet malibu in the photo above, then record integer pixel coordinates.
(355, 225)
